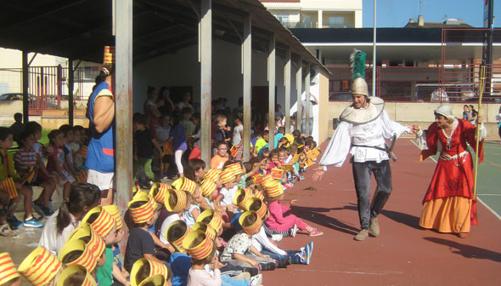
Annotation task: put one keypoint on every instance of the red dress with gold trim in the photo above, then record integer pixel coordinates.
(449, 204)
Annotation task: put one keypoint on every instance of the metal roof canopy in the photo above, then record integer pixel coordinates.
(79, 29)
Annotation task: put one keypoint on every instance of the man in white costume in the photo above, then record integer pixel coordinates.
(364, 126)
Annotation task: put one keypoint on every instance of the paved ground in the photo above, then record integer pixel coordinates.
(403, 254)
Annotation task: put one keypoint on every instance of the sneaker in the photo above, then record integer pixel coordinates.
(374, 229)
(256, 280)
(42, 210)
(277, 237)
(362, 235)
(293, 231)
(13, 222)
(33, 223)
(308, 252)
(316, 232)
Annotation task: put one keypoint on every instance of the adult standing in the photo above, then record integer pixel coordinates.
(100, 160)
(498, 118)
(449, 204)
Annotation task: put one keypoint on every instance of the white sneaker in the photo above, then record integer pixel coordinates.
(256, 280)
(293, 231)
(276, 237)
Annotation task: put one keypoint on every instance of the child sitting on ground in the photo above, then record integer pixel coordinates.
(56, 163)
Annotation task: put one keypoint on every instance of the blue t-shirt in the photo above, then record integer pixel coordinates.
(101, 149)
(179, 136)
(180, 265)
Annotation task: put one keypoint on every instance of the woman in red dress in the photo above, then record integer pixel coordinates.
(449, 203)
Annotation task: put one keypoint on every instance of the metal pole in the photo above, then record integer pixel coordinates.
(123, 102)
(71, 82)
(247, 85)
(205, 44)
(374, 52)
(299, 91)
(26, 99)
(307, 107)
(271, 92)
(287, 84)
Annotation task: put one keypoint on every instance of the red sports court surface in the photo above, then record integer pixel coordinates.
(404, 254)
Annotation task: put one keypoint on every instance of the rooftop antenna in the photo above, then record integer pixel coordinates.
(421, 7)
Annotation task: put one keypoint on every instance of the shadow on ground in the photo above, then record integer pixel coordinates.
(467, 251)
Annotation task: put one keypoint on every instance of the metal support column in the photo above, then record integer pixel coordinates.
(26, 99)
(71, 82)
(288, 86)
(123, 102)
(247, 85)
(205, 46)
(299, 91)
(271, 69)
(307, 104)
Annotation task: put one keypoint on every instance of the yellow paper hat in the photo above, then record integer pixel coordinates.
(114, 211)
(102, 222)
(198, 245)
(273, 190)
(92, 241)
(211, 218)
(250, 222)
(175, 200)
(157, 191)
(207, 229)
(236, 168)
(268, 180)
(185, 184)
(256, 205)
(176, 233)
(40, 267)
(241, 196)
(155, 280)
(75, 275)
(142, 207)
(212, 174)
(259, 195)
(227, 176)
(8, 270)
(155, 268)
(208, 187)
(74, 252)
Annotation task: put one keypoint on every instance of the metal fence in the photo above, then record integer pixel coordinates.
(48, 86)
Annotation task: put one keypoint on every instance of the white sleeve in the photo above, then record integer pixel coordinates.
(265, 242)
(339, 146)
(391, 127)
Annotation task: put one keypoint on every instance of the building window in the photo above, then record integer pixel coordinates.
(336, 22)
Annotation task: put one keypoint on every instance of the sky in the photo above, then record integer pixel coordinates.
(396, 13)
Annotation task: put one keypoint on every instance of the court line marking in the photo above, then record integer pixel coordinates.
(489, 195)
(478, 195)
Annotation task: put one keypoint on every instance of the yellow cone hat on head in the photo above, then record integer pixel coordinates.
(256, 205)
(198, 245)
(250, 222)
(8, 270)
(175, 200)
(207, 229)
(155, 268)
(211, 218)
(40, 267)
(176, 233)
(227, 176)
(142, 207)
(155, 280)
(75, 275)
(208, 187)
(235, 168)
(102, 222)
(157, 191)
(212, 174)
(114, 211)
(241, 196)
(75, 252)
(273, 190)
(92, 241)
(185, 184)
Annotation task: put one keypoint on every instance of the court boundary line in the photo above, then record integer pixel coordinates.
(478, 195)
